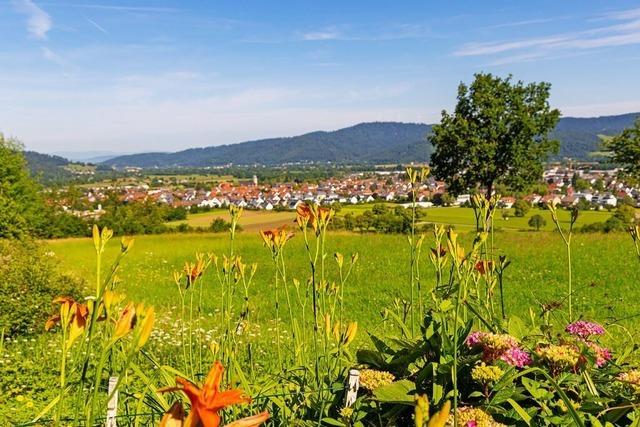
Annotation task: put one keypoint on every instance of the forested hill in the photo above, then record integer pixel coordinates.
(379, 142)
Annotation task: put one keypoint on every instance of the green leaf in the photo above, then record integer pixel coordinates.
(523, 414)
(397, 392)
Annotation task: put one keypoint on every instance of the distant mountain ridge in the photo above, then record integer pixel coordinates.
(376, 142)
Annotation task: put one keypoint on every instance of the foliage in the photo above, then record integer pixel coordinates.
(537, 222)
(29, 280)
(625, 150)
(380, 218)
(521, 208)
(21, 207)
(497, 133)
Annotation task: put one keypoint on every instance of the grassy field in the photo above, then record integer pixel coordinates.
(605, 271)
(464, 218)
(460, 217)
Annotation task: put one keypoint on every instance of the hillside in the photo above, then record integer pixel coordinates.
(379, 142)
(47, 167)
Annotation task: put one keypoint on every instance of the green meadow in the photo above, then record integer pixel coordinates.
(605, 271)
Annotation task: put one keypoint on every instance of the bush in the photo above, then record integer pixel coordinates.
(219, 225)
(28, 283)
(521, 208)
(537, 222)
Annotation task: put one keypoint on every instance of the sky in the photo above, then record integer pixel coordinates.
(132, 76)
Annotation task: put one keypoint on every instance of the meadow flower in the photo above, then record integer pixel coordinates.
(484, 266)
(632, 379)
(498, 347)
(485, 374)
(603, 354)
(372, 379)
(73, 315)
(346, 413)
(516, 356)
(472, 417)
(126, 322)
(439, 252)
(276, 239)
(208, 401)
(584, 329)
(559, 356)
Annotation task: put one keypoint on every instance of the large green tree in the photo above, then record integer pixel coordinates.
(498, 133)
(21, 208)
(625, 150)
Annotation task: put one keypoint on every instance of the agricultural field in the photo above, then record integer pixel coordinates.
(251, 221)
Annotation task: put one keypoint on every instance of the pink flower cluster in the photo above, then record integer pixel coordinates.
(499, 347)
(603, 354)
(584, 329)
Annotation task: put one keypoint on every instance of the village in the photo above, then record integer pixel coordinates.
(564, 185)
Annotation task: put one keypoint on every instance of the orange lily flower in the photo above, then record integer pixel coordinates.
(305, 215)
(439, 252)
(72, 310)
(208, 401)
(483, 266)
(275, 239)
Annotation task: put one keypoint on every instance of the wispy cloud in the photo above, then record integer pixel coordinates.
(367, 33)
(529, 22)
(38, 21)
(121, 8)
(617, 34)
(97, 26)
(326, 34)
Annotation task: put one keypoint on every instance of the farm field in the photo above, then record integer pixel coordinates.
(251, 221)
(605, 271)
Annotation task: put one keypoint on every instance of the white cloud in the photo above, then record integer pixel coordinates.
(118, 8)
(618, 34)
(325, 34)
(38, 21)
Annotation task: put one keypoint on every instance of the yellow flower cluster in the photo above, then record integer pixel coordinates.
(561, 356)
(468, 416)
(346, 413)
(486, 374)
(371, 379)
(631, 378)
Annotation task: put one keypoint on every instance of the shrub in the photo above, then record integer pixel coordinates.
(537, 222)
(521, 207)
(28, 283)
(219, 225)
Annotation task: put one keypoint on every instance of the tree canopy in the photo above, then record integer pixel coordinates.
(625, 150)
(498, 133)
(21, 206)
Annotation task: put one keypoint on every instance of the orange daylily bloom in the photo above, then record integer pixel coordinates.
(194, 270)
(484, 266)
(305, 215)
(126, 322)
(439, 252)
(208, 401)
(72, 310)
(275, 239)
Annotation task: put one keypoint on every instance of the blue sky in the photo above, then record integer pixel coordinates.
(129, 76)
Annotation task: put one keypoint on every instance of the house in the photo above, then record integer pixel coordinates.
(507, 202)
